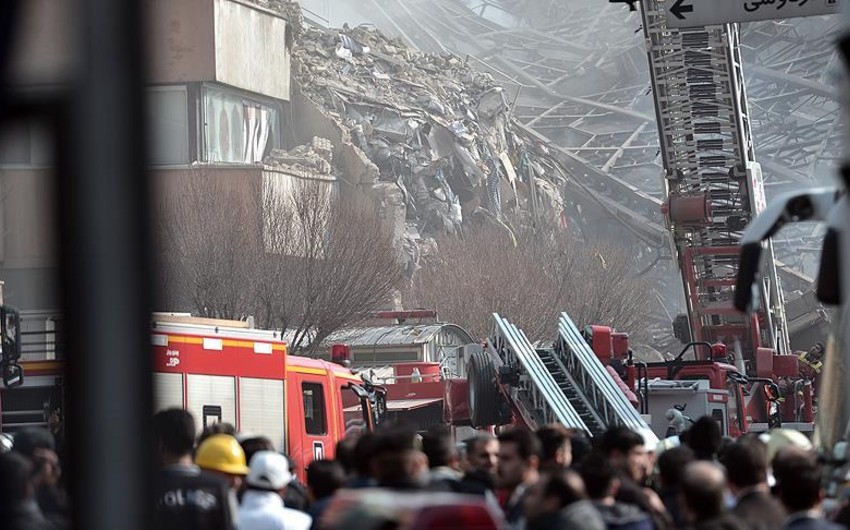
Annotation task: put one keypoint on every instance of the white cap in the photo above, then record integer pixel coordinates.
(269, 470)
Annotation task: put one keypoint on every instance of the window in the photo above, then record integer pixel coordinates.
(238, 129)
(352, 410)
(25, 144)
(168, 119)
(315, 419)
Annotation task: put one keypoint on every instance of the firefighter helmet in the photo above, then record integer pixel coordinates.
(221, 452)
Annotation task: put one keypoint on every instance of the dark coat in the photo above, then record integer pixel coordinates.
(810, 523)
(722, 522)
(620, 516)
(760, 511)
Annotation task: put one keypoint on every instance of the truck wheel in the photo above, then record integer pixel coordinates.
(484, 397)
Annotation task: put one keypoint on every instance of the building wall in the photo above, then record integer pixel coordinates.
(180, 40)
(218, 40)
(251, 50)
(28, 246)
(45, 43)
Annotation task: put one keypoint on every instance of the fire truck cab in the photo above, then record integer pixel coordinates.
(227, 371)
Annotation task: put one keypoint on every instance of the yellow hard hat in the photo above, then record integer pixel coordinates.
(221, 452)
(781, 438)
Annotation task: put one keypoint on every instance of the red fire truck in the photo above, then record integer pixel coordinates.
(227, 371)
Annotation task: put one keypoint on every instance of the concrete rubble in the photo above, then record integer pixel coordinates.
(429, 138)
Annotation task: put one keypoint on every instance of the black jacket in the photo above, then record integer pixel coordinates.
(759, 511)
(190, 499)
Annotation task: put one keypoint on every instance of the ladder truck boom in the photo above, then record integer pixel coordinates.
(713, 184)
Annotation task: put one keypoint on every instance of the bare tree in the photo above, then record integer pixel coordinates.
(337, 264)
(203, 247)
(282, 249)
(530, 278)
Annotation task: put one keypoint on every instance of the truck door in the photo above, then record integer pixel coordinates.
(310, 420)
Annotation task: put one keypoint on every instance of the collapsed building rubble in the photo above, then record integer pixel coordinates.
(431, 129)
(581, 72)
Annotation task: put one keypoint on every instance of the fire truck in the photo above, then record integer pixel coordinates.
(228, 371)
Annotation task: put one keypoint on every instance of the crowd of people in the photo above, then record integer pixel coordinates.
(549, 479)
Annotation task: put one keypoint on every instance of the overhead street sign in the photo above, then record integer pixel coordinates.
(694, 13)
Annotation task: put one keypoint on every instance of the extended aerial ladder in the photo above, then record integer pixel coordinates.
(566, 384)
(713, 184)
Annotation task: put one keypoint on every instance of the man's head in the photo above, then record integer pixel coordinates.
(37, 445)
(221, 454)
(553, 492)
(174, 432)
(364, 454)
(324, 477)
(398, 460)
(626, 451)
(438, 447)
(269, 472)
(705, 438)
(556, 447)
(671, 465)
(798, 479)
(254, 445)
(345, 455)
(15, 486)
(600, 477)
(519, 458)
(703, 488)
(746, 464)
(482, 454)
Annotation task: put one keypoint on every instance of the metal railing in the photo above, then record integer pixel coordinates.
(593, 380)
(537, 395)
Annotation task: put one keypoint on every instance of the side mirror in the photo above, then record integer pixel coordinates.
(13, 375)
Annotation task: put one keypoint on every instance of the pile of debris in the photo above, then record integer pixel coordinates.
(436, 129)
(308, 161)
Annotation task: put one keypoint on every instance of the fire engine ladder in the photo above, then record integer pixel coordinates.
(713, 185)
(588, 375)
(535, 394)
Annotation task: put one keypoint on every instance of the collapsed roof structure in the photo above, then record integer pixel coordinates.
(468, 96)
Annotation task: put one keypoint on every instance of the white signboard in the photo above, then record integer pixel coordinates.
(694, 13)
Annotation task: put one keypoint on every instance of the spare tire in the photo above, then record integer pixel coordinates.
(484, 397)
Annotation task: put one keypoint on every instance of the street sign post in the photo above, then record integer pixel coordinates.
(695, 13)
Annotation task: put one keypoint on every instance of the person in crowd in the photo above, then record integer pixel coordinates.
(626, 450)
(557, 501)
(215, 428)
(602, 482)
(398, 462)
(556, 446)
(364, 454)
(262, 505)
(37, 445)
(324, 478)
(671, 468)
(705, 438)
(798, 480)
(703, 496)
(222, 455)
(18, 507)
(296, 496)
(255, 444)
(443, 474)
(746, 472)
(580, 447)
(186, 497)
(345, 455)
(482, 457)
(517, 470)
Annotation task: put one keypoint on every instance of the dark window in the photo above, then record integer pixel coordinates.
(315, 419)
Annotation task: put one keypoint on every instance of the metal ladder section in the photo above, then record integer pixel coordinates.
(713, 182)
(591, 378)
(577, 398)
(536, 395)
